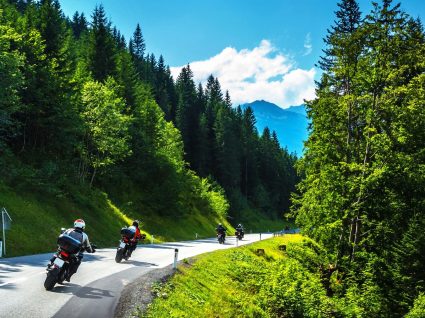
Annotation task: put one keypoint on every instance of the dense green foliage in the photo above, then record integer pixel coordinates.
(222, 142)
(418, 309)
(83, 113)
(241, 283)
(363, 196)
(298, 282)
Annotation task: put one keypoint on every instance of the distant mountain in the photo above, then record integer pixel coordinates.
(290, 124)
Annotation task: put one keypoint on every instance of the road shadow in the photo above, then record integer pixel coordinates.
(138, 263)
(19, 264)
(82, 292)
(5, 286)
(16, 264)
(7, 268)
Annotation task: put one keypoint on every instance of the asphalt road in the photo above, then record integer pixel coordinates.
(95, 289)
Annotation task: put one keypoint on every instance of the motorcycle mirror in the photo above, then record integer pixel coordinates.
(63, 230)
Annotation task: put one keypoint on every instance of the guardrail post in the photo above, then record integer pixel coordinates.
(176, 255)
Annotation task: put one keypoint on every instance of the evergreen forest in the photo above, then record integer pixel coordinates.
(90, 121)
(360, 202)
(87, 115)
(363, 192)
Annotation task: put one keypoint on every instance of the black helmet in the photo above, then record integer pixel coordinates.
(136, 223)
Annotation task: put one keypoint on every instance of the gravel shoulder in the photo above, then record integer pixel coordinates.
(136, 296)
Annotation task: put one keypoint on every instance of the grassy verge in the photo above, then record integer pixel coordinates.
(38, 218)
(240, 283)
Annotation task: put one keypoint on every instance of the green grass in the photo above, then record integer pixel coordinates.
(225, 283)
(38, 218)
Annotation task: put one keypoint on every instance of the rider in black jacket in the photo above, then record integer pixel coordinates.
(221, 229)
(77, 232)
(239, 228)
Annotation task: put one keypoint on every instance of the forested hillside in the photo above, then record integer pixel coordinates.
(91, 124)
(363, 196)
(290, 124)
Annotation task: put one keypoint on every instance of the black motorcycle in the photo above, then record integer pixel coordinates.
(221, 237)
(125, 247)
(239, 235)
(57, 270)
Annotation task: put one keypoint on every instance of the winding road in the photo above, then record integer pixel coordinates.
(95, 289)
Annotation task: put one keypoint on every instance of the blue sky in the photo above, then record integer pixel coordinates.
(259, 49)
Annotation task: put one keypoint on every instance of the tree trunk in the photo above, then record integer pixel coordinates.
(365, 162)
(92, 177)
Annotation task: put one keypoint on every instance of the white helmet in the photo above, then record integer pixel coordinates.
(80, 223)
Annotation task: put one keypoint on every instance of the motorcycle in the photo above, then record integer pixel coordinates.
(239, 235)
(58, 269)
(125, 247)
(221, 237)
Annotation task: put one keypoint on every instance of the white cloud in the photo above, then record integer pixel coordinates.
(260, 73)
(307, 44)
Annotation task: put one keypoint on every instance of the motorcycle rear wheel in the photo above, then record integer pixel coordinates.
(51, 279)
(118, 256)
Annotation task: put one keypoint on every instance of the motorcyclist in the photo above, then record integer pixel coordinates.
(239, 228)
(221, 229)
(77, 232)
(137, 236)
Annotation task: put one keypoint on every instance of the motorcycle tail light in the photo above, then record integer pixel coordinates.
(64, 254)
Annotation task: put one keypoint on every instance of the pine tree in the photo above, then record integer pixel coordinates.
(249, 152)
(79, 24)
(138, 43)
(102, 48)
(227, 152)
(187, 118)
(161, 89)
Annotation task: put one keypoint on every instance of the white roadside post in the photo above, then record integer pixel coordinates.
(196, 235)
(152, 238)
(176, 255)
(5, 227)
(1, 247)
(237, 242)
(260, 236)
(4, 233)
